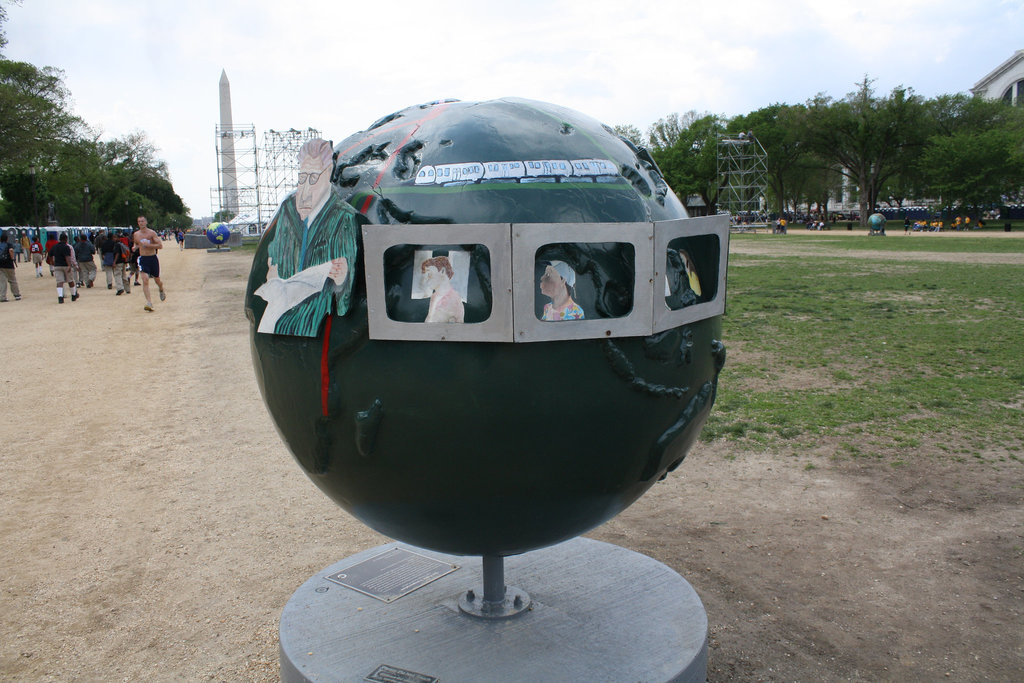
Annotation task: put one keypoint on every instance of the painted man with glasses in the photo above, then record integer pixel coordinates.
(312, 251)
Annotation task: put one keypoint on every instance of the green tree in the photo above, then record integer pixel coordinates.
(780, 130)
(138, 171)
(685, 149)
(869, 138)
(124, 178)
(34, 113)
(949, 114)
(37, 130)
(631, 133)
(974, 168)
(817, 184)
(3, 20)
(665, 132)
(974, 154)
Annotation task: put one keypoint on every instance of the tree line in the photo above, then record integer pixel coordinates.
(964, 152)
(50, 156)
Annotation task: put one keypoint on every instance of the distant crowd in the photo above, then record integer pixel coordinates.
(958, 223)
(817, 221)
(74, 260)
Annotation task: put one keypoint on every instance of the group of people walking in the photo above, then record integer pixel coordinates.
(73, 264)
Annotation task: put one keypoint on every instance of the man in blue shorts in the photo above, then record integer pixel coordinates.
(148, 243)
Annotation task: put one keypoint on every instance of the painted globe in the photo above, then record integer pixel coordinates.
(218, 233)
(483, 448)
(876, 222)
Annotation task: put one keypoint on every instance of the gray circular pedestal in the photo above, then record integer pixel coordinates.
(598, 612)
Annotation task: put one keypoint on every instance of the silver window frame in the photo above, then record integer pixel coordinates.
(527, 238)
(664, 232)
(377, 239)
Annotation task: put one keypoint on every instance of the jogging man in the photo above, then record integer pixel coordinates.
(148, 243)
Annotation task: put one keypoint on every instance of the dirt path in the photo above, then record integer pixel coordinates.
(153, 525)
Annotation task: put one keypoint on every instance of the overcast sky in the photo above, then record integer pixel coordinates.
(338, 65)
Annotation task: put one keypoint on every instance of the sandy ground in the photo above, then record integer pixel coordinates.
(153, 526)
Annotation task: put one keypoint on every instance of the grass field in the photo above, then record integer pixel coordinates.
(877, 358)
(848, 355)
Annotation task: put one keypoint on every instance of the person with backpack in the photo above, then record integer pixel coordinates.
(61, 258)
(51, 242)
(7, 265)
(114, 257)
(84, 251)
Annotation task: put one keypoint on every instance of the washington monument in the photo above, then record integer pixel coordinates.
(228, 173)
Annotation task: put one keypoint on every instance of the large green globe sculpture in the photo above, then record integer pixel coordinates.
(479, 448)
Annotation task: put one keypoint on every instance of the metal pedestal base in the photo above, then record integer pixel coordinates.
(597, 612)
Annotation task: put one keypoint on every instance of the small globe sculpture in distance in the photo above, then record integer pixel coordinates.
(218, 233)
(876, 224)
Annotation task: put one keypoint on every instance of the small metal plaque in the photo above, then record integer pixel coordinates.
(392, 674)
(392, 574)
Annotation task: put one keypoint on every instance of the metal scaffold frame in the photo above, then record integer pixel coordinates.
(279, 170)
(743, 173)
(238, 182)
(253, 182)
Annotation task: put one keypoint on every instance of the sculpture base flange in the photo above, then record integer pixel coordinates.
(516, 602)
(596, 612)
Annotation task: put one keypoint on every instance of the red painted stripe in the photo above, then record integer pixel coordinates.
(325, 372)
(435, 111)
(400, 123)
(366, 204)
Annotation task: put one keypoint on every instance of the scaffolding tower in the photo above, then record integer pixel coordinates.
(743, 174)
(238, 181)
(279, 168)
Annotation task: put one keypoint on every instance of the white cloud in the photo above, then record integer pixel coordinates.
(339, 66)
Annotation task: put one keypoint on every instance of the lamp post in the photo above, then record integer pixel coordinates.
(85, 204)
(35, 204)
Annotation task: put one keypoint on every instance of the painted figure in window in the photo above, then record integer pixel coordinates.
(312, 251)
(557, 284)
(445, 303)
(682, 285)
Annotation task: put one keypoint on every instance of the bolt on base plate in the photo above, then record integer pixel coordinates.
(516, 602)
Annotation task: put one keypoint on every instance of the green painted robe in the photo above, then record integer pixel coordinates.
(295, 246)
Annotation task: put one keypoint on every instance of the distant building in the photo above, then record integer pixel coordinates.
(1006, 82)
